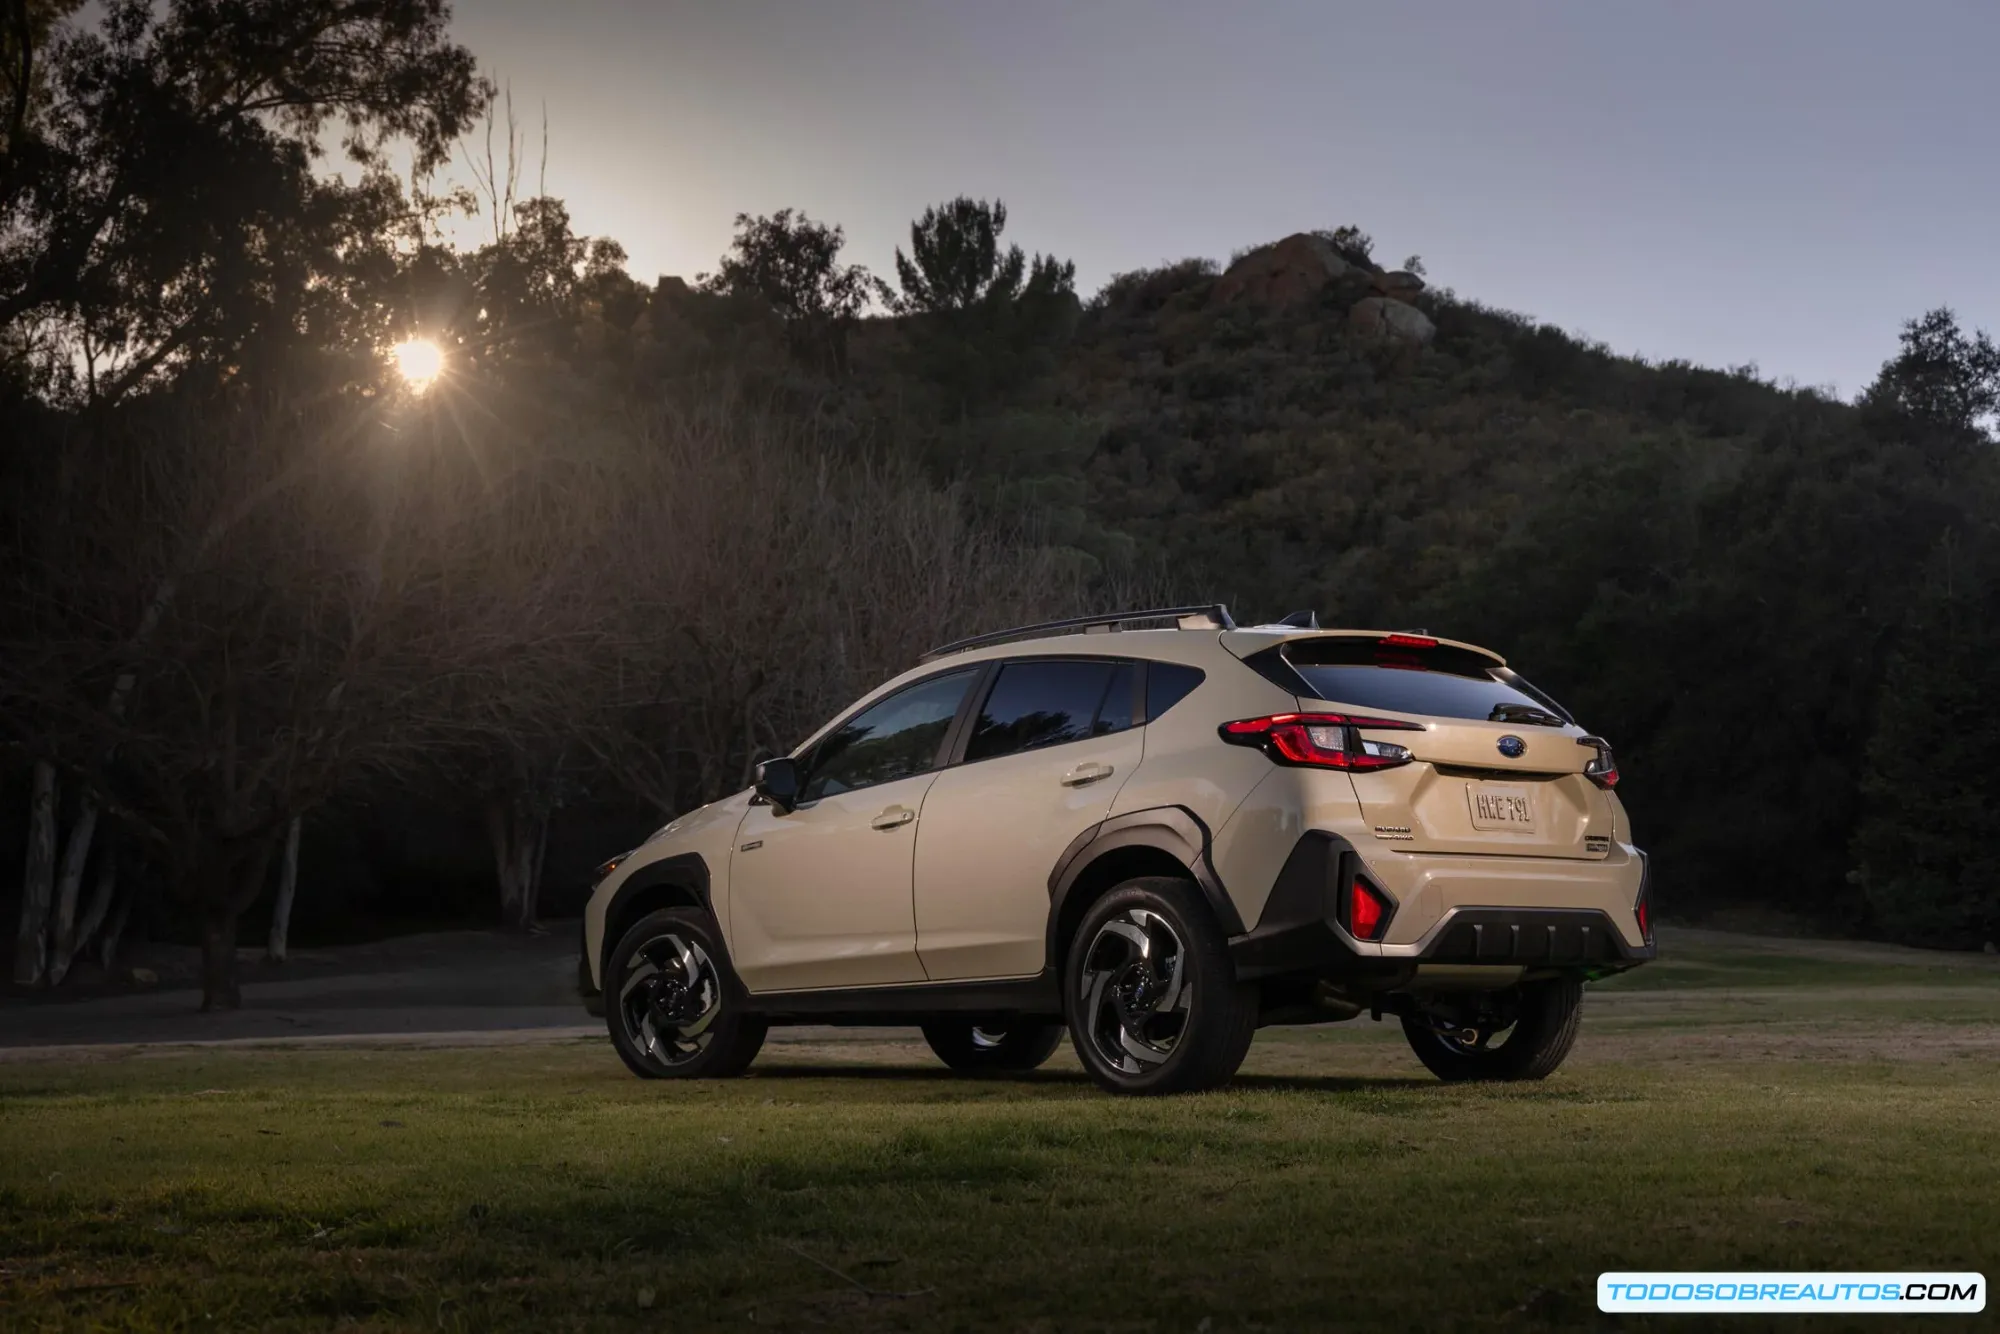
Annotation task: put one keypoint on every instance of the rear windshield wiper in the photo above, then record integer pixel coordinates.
(1523, 713)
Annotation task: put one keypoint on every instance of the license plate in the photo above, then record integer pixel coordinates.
(1502, 806)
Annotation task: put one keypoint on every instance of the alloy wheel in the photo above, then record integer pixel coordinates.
(670, 997)
(1136, 996)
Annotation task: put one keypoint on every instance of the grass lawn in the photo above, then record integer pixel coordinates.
(1730, 1110)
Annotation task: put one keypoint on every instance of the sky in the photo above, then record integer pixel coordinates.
(1778, 182)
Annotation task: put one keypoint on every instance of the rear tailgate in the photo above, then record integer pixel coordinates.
(1462, 794)
(1496, 769)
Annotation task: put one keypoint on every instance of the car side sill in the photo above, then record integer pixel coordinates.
(901, 1006)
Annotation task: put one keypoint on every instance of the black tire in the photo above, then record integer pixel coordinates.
(1546, 1016)
(995, 1046)
(649, 1015)
(1140, 1025)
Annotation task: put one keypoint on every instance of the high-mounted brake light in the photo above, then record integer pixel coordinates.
(1322, 740)
(1408, 641)
(1367, 914)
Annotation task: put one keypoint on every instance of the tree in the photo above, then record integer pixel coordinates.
(982, 320)
(956, 263)
(1927, 851)
(346, 602)
(791, 265)
(160, 202)
(1943, 380)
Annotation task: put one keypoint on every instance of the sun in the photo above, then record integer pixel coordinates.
(419, 361)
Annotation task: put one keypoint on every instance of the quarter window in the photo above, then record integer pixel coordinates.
(1167, 684)
(896, 738)
(1047, 702)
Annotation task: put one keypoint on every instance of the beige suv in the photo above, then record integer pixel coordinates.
(1160, 839)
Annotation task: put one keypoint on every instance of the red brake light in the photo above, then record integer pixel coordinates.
(1409, 641)
(1322, 740)
(1603, 770)
(1366, 912)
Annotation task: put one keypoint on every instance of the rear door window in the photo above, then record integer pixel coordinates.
(1050, 702)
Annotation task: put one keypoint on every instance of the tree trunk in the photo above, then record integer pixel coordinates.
(107, 947)
(218, 961)
(519, 836)
(101, 894)
(31, 944)
(288, 883)
(69, 887)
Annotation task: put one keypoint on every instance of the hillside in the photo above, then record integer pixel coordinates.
(1714, 571)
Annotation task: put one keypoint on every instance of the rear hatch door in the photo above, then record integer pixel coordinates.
(1498, 768)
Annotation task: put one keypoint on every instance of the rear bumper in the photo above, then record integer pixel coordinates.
(1300, 935)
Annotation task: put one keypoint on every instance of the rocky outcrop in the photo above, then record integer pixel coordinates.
(1398, 285)
(1385, 319)
(1282, 274)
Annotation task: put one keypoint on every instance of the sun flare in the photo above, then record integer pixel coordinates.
(419, 361)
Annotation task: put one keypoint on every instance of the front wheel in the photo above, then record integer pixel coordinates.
(1523, 1033)
(672, 1008)
(1011, 1046)
(1152, 998)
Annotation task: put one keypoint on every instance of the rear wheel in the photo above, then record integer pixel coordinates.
(670, 1003)
(1152, 999)
(994, 1045)
(1523, 1033)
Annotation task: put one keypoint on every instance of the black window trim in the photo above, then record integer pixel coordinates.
(960, 737)
(982, 677)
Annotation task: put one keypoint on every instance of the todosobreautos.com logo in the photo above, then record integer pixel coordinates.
(1777, 1294)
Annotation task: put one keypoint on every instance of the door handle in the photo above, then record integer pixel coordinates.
(893, 818)
(1086, 773)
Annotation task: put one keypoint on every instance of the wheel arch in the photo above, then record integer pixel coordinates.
(1163, 840)
(680, 881)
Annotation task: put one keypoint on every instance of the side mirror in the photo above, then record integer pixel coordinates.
(778, 783)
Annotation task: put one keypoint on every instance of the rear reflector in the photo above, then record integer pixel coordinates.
(1366, 913)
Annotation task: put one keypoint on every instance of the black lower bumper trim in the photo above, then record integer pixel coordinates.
(1297, 935)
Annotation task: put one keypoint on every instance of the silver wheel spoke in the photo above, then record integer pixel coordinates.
(671, 998)
(1134, 982)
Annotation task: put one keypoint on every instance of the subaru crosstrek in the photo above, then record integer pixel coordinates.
(1157, 840)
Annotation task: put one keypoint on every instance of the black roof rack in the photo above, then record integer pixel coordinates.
(1215, 613)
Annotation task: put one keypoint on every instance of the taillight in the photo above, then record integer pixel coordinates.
(1322, 740)
(1603, 769)
(1367, 914)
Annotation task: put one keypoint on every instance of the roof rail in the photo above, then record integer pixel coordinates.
(1214, 614)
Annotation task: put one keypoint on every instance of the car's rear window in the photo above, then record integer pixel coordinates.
(1408, 690)
(1441, 682)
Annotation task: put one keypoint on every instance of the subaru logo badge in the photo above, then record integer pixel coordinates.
(1513, 747)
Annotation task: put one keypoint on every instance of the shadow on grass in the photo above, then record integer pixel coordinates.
(1075, 1081)
(1332, 1083)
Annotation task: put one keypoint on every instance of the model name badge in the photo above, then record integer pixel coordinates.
(752, 845)
(1501, 806)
